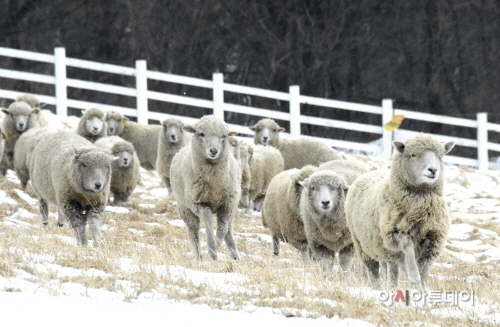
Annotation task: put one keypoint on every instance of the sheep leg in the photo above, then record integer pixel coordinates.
(411, 264)
(392, 275)
(93, 220)
(424, 269)
(44, 211)
(74, 213)
(61, 219)
(276, 245)
(231, 244)
(81, 235)
(345, 257)
(205, 213)
(249, 207)
(193, 228)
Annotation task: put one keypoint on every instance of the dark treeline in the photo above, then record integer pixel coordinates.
(437, 56)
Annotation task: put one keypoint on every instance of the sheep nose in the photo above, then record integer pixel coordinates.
(325, 203)
(264, 138)
(432, 170)
(21, 125)
(95, 128)
(98, 186)
(111, 130)
(214, 152)
(125, 161)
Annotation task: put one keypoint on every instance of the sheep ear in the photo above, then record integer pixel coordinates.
(304, 183)
(252, 128)
(398, 146)
(125, 120)
(5, 111)
(189, 129)
(41, 105)
(281, 129)
(4, 137)
(448, 147)
(115, 158)
(36, 111)
(345, 188)
(233, 133)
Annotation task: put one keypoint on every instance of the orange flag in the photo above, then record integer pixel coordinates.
(394, 123)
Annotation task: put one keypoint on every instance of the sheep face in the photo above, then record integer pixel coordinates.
(325, 191)
(267, 132)
(246, 154)
(172, 130)
(92, 170)
(19, 120)
(94, 125)
(234, 146)
(210, 141)
(422, 164)
(123, 159)
(114, 126)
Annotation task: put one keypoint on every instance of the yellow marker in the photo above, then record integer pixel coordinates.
(394, 123)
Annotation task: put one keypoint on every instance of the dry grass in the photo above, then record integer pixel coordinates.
(163, 265)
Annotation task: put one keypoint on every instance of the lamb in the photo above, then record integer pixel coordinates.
(19, 118)
(23, 150)
(266, 163)
(322, 211)
(34, 104)
(125, 168)
(171, 139)
(143, 137)
(399, 217)
(281, 212)
(73, 174)
(92, 125)
(206, 179)
(296, 153)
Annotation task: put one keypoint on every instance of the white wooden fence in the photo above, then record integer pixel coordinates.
(61, 101)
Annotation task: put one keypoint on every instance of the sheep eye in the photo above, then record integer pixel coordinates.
(201, 135)
(224, 136)
(84, 165)
(413, 155)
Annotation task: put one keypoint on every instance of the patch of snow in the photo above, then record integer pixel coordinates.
(26, 197)
(117, 210)
(4, 199)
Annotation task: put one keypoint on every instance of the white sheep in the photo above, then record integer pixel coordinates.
(23, 150)
(170, 140)
(3, 137)
(92, 125)
(296, 153)
(322, 211)
(399, 216)
(125, 168)
(72, 173)
(281, 211)
(206, 179)
(19, 118)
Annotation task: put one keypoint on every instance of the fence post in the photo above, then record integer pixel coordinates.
(295, 111)
(482, 141)
(61, 86)
(141, 76)
(218, 95)
(387, 112)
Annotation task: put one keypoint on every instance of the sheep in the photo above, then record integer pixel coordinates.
(125, 168)
(281, 212)
(19, 118)
(296, 153)
(266, 163)
(322, 211)
(171, 139)
(34, 104)
(143, 137)
(115, 122)
(398, 216)
(72, 173)
(206, 179)
(92, 125)
(23, 150)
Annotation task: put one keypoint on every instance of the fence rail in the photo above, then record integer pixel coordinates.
(61, 82)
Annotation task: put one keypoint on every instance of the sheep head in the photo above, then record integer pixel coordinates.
(267, 132)
(172, 130)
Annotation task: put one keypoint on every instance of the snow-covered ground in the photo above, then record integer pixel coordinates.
(45, 277)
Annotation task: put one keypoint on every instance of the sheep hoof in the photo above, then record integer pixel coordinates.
(46, 223)
(60, 225)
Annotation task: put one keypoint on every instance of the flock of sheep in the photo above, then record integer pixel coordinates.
(394, 219)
